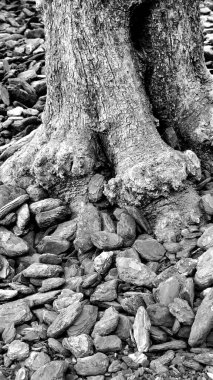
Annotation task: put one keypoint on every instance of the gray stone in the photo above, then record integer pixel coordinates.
(149, 249)
(4, 267)
(103, 261)
(36, 360)
(108, 224)
(85, 321)
(41, 298)
(172, 345)
(206, 240)
(109, 343)
(141, 328)
(131, 301)
(204, 275)
(168, 290)
(205, 358)
(51, 371)
(51, 283)
(107, 323)
(66, 230)
(133, 272)
(44, 205)
(160, 315)
(126, 228)
(12, 245)
(106, 240)
(80, 346)
(22, 374)
(96, 187)
(182, 311)
(39, 270)
(107, 291)
(50, 218)
(64, 320)
(7, 294)
(9, 333)
(96, 364)
(57, 347)
(15, 312)
(63, 302)
(53, 244)
(18, 350)
(124, 327)
(46, 316)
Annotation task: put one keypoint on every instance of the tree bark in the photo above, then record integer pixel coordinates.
(168, 37)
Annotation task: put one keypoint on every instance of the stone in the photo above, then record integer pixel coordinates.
(15, 312)
(36, 360)
(107, 291)
(46, 316)
(207, 199)
(203, 321)
(80, 346)
(206, 239)
(96, 187)
(139, 218)
(107, 323)
(34, 333)
(158, 335)
(124, 327)
(187, 291)
(63, 302)
(18, 350)
(103, 261)
(9, 333)
(36, 193)
(126, 228)
(94, 365)
(53, 244)
(141, 328)
(22, 374)
(130, 253)
(38, 299)
(172, 345)
(108, 224)
(204, 275)
(106, 240)
(44, 205)
(159, 315)
(4, 268)
(168, 290)
(131, 301)
(89, 221)
(51, 371)
(12, 245)
(7, 294)
(23, 218)
(57, 347)
(50, 258)
(205, 358)
(64, 320)
(66, 230)
(51, 283)
(50, 218)
(17, 111)
(39, 270)
(149, 249)
(133, 272)
(162, 360)
(182, 311)
(186, 266)
(85, 321)
(109, 343)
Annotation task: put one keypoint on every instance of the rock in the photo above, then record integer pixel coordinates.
(18, 350)
(139, 218)
(182, 311)
(133, 272)
(44, 205)
(124, 327)
(50, 258)
(103, 261)
(187, 291)
(23, 218)
(109, 343)
(126, 228)
(130, 253)
(205, 358)
(207, 200)
(96, 187)
(107, 291)
(85, 321)
(7, 294)
(46, 316)
(141, 328)
(203, 321)
(51, 283)
(51, 371)
(131, 301)
(168, 290)
(186, 266)
(162, 360)
(22, 374)
(36, 193)
(57, 347)
(34, 333)
(158, 335)
(49, 218)
(159, 315)
(36, 360)
(53, 244)
(63, 302)
(108, 224)
(89, 221)
(172, 345)
(107, 323)
(149, 249)
(64, 320)
(38, 270)
(80, 346)
(11, 245)
(96, 364)
(66, 230)
(106, 240)
(38, 299)
(206, 240)
(15, 312)
(9, 333)
(204, 275)
(12, 205)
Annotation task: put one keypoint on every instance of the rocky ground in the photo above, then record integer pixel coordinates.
(98, 297)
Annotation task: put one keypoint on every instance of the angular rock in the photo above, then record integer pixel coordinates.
(64, 320)
(204, 275)
(38, 299)
(96, 187)
(168, 290)
(18, 350)
(182, 311)
(57, 347)
(107, 323)
(206, 240)
(187, 292)
(80, 346)
(51, 371)
(131, 301)
(205, 358)
(4, 267)
(38, 270)
(9, 333)
(23, 218)
(66, 230)
(94, 365)
(141, 328)
(109, 343)
(107, 291)
(172, 345)
(44, 205)
(46, 316)
(22, 374)
(159, 315)
(53, 244)
(133, 272)
(126, 228)
(203, 322)
(63, 302)
(15, 312)
(149, 249)
(207, 203)
(11, 245)
(124, 327)
(50, 258)
(49, 218)
(106, 240)
(36, 360)
(108, 224)
(85, 321)
(139, 218)
(7, 294)
(51, 283)
(103, 261)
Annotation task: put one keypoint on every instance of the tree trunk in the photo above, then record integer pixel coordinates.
(168, 38)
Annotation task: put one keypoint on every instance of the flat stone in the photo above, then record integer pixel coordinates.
(130, 253)
(21, 374)
(7, 294)
(80, 346)
(57, 347)
(9, 333)
(16, 312)
(66, 230)
(182, 311)
(109, 343)
(204, 275)
(51, 371)
(149, 249)
(172, 345)
(141, 328)
(186, 266)
(133, 272)
(96, 187)
(39, 270)
(205, 358)
(50, 218)
(203, 321)
(168, 290)
(124, 327)
(107, 323)
(53, 244)
(206, 240)
(46, 316)
(126, 228)
(12, 245)
(107, 291)
(50, 258)
(159, 315)
(51, 283)
(103, 261)
(131, 301)
(96, 364)
(18, 350)
(207, 199)
(64, 320)
(38, 299)
(36, 193)
(106, 240)
(45, 205)
(63, 302)
(4, 267)
(108, 224)
(85, 321)
(36, 360)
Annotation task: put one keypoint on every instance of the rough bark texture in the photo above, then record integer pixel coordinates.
(167, 35)
(97, 107)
